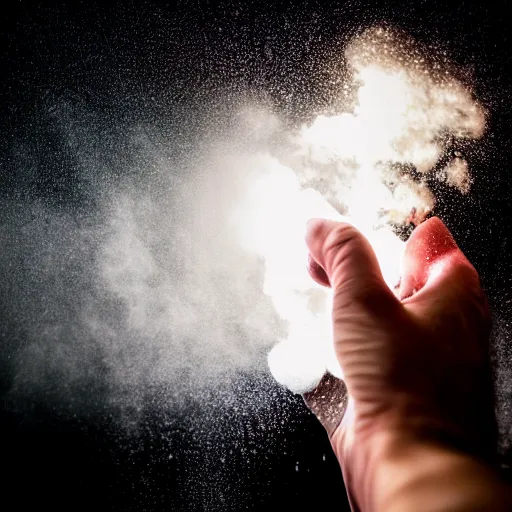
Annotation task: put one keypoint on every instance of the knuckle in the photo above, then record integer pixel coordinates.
(340, 242)
(366, 296)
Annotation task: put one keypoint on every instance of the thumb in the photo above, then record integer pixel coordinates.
(340, 256)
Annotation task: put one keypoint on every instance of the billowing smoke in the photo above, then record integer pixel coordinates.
(183, 268)
(371, 163)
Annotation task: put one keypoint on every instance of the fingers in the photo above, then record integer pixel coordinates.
(341, 257)
(328, 402)
(317, 272)
(429, 245)
(436, 275)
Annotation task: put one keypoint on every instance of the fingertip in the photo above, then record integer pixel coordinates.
(429, 242)
(315, 233)
(314, 228)
(432, 237)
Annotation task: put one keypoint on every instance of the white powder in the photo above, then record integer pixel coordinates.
(402, 115)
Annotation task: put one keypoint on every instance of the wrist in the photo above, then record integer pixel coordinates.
(411, 422)
(394, 471)
(425, 475)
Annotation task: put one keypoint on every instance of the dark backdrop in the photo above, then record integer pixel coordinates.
(165, 65)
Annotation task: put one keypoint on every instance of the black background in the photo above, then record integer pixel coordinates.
(165, 64)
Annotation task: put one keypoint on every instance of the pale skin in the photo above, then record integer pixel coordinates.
(419, 433)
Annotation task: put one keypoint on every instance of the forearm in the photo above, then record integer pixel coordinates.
(398, 476)
(435, 479)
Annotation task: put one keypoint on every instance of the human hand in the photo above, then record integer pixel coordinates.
(415, 361)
